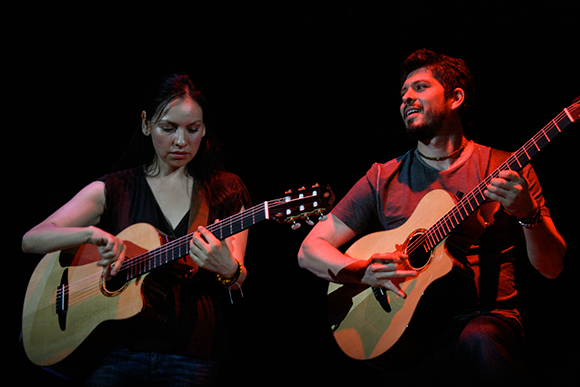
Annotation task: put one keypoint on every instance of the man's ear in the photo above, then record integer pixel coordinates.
(458, 98)
(144, 125)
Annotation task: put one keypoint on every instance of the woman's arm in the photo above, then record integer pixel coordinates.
(73, 225)
(69, 226)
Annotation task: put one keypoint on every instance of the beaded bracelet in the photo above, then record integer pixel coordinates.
(532, 220)
(230, 281)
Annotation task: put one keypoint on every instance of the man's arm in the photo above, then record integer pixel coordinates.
(545, 246)
(319, 254)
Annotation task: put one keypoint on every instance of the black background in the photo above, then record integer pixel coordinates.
(300, 95)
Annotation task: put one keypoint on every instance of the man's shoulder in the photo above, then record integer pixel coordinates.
(391, 166)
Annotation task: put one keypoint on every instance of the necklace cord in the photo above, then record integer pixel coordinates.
(455, 152)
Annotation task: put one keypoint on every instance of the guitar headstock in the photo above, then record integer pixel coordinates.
(302, 205)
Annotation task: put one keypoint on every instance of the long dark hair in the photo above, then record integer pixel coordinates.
(141, 152)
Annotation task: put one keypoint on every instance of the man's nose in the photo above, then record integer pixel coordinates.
(409, 97)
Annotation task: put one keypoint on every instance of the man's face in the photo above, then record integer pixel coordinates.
(424, 106)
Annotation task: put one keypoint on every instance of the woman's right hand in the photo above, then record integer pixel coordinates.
(111, 249)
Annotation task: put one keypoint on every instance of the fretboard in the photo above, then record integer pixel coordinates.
(470, 202)
(179, 248)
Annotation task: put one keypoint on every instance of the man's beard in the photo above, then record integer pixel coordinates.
(432, 122)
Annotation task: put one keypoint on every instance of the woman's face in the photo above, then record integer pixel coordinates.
(177, 135)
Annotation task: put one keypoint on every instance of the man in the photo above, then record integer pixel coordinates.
(436, 96)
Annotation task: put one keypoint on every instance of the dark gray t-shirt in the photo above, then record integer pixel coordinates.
(390, 192)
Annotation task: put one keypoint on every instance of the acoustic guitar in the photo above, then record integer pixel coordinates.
(68, 298)
(367, 322)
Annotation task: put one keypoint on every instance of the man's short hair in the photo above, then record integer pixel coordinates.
(450, 72)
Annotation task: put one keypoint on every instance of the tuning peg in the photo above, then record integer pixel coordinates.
(322, 217)
(308, 221)
(295, 226)
(302, 189)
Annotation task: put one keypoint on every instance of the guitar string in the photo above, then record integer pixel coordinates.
(185, 240)
(78, 288)
(227, 223)
(86, 292)
(438, 228)
(451, 217)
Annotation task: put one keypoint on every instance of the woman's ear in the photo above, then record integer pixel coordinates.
(144, 125)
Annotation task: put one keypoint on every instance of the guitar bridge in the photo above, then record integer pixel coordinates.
(62, 300)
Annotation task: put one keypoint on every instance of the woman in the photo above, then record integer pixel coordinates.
(180, 184)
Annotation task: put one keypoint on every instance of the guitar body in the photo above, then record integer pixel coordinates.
(364, 324)
(361, 327)
(49, 337)
(71, 314)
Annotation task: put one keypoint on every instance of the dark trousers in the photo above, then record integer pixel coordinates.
(486, 352)
(125, 368)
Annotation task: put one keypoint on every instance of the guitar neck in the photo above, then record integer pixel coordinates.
(288, 209)
(179, 247)
(470, 202)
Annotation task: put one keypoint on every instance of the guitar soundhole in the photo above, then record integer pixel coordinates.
(113, 286)
(418, 256)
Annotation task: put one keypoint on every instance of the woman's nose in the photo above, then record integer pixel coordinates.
(180, 137)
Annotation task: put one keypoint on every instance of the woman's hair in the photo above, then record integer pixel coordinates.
(141, 151)
(450, 72)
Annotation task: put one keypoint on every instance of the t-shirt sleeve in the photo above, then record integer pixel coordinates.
(358, 207)
(535, 188)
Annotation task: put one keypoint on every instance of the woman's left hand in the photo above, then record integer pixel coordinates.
(211, 254)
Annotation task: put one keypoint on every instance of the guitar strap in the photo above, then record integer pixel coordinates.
(489, 207)
(463, 237)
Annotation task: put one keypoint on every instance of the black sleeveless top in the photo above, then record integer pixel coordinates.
(194, 308)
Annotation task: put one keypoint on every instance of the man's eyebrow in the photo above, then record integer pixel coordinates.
(421, 80)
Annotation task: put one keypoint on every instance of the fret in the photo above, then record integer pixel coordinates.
(465, 213)
(438, 232)
(179, 248)
(518, 160)
(431, 242)
(470, 207)
(446, 227)
(456, 221)
(546, 135)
